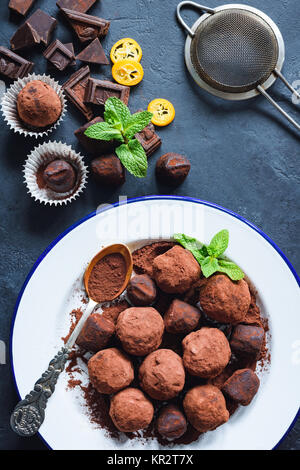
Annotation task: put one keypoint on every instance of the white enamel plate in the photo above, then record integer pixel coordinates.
(53, 289)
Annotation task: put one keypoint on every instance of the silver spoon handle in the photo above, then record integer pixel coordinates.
(29, 414)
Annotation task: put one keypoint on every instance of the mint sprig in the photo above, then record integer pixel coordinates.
(210, 257)
(120, 125)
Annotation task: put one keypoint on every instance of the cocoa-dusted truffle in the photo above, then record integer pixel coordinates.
(171, 422)
(96, 333)
(141, 290)
(224, 300)
(38, 104)
(60, 176)
(242, 386)
(108, 170)
(140, 330)
(110, 370)
(176, 270)
(181, 318)
(205, 407)
(130, 410)
(206, 352)
(247, 340)
(172, 168)
(162, 374)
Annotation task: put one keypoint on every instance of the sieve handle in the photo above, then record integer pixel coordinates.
(279, 108)
(194, 5)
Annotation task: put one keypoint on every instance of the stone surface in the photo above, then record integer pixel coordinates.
(243, 155)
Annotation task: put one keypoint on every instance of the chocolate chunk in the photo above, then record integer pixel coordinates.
(181, 317)
(96, 333)
(78, 5)
(70, 47)
(141, 290)
(43, 24)
(108, 170)
(75, 89)
(242, 386)
(21, 6)
(93, 53)
(171, 422)
(12, 65)
(87, 27)
(149, 140)
(247, 340)
(98, 91)
(94, 146)
(24, 37)
(59, 55)
(172, 168)
(60, 176)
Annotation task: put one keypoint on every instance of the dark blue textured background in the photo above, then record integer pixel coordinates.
(244, 156)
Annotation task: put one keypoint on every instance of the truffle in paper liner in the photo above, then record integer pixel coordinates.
(9, 106)
(39, 159)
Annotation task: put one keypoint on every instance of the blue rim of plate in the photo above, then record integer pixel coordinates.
(130, 201)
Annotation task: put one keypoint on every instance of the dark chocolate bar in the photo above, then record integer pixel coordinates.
(24, 37)
(149, 140)
(78, 5)
(98, 91)
(12, 65)
(94, 146)
(93, 53)
(87, 27)
(75, 90)
(21, 6)
(59, 55)
(43, 24)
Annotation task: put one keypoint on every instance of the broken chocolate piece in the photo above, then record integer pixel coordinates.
(242, 386)
(78, 5)
(24, 37)
(94, 146)
(43, 24)
(93, 53)
(149, 140)
(12, 65)
(59, 55)
(87, 27)
(21, 6)
(70, 47)
(98, 91)
(75, 89)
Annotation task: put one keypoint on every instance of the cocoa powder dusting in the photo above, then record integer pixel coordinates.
(107, 277)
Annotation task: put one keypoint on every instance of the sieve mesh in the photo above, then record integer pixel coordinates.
(234, 50)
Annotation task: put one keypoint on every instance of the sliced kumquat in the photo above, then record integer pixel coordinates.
(163, 112)
(126, 48)
(128, 72)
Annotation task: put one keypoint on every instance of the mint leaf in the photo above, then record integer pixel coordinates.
(231, 269)
(136, 123)
(103, 131)
(191, 244)
(133, 157)
(218, 244)
(116, 112)
(209, 266)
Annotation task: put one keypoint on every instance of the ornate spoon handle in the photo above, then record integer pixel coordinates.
(29, 413)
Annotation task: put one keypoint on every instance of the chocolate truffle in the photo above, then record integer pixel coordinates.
(247, 340)
(171, 422)
(176, 270)
(60, 176)
(172, 168)
(110, 370)
(96, 333)
(38, 104)
(130, 410)
(206, 352)
(181, 318)
(140, 330)
(141, 290)
(162, 374)
(205, 408)
(108, 170)
(224, 300)
(242, 386)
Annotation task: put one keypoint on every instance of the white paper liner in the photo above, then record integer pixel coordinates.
(9, 105)
(39, 158)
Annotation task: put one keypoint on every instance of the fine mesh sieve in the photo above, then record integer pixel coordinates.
(235, 52)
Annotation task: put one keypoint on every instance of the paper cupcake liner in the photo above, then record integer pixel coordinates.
(9, 105)
(39, 158)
